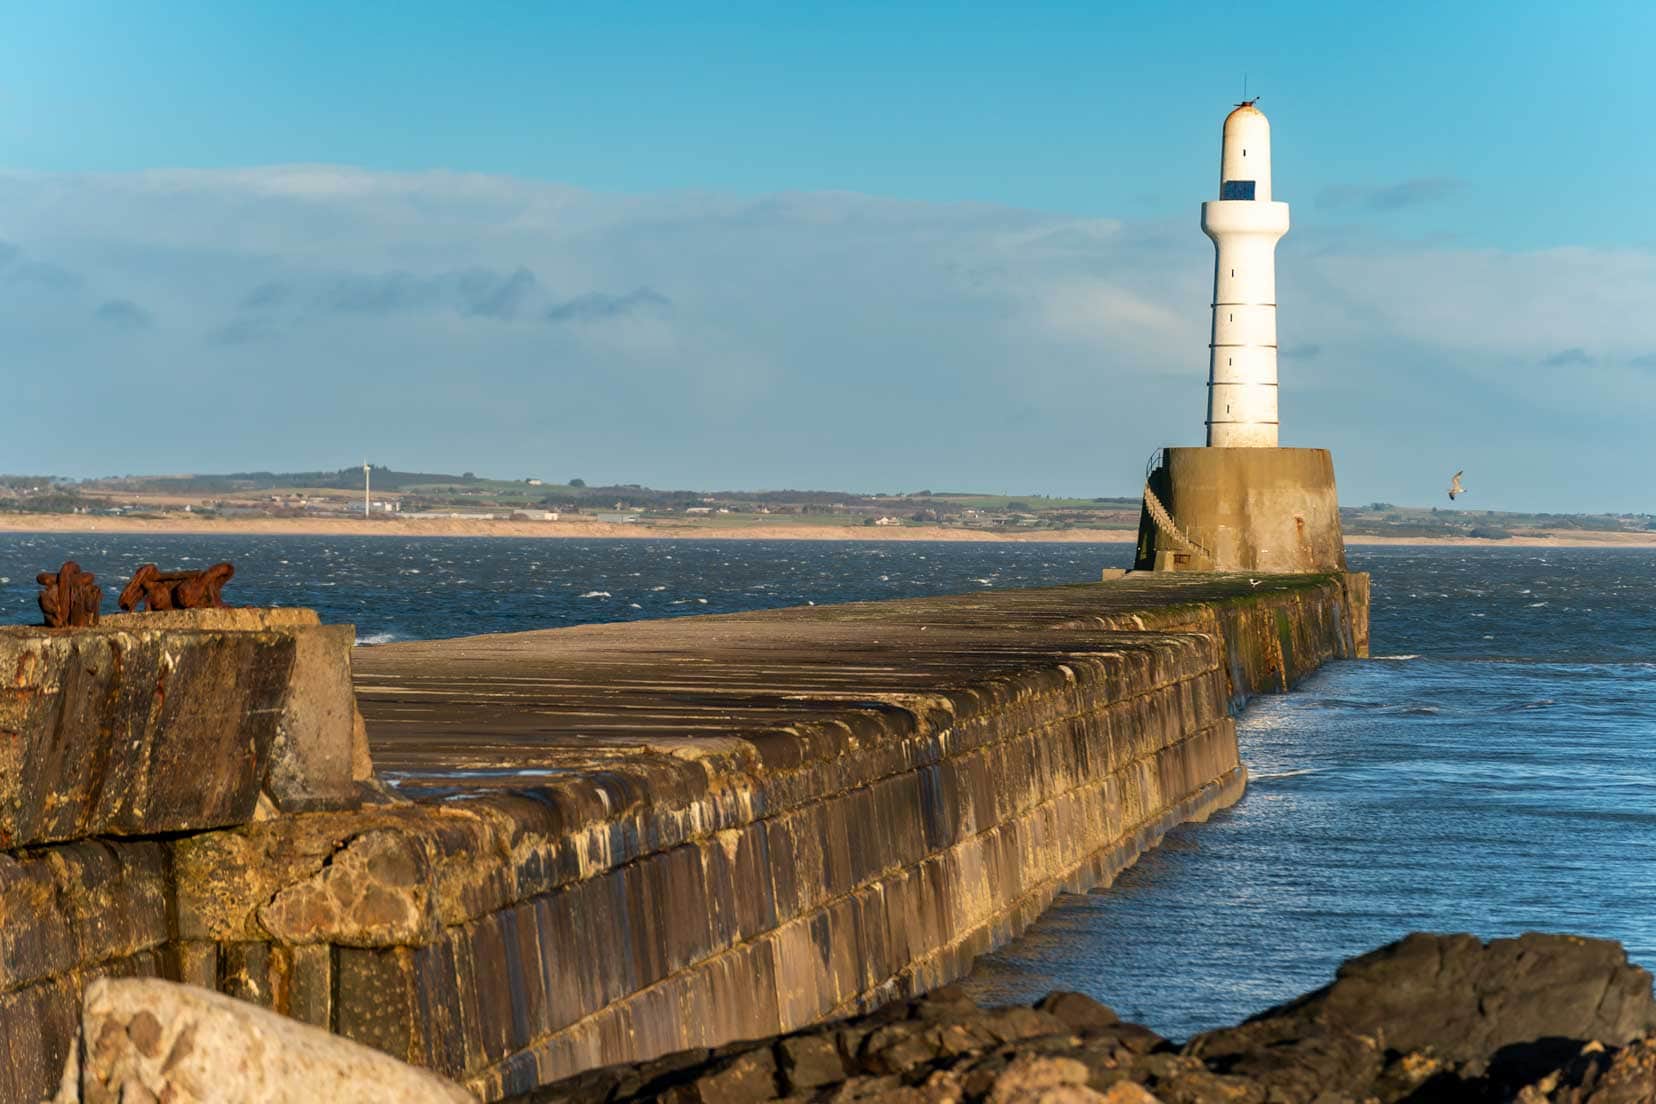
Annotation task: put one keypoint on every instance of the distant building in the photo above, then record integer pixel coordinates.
(888, 521)
(452, 515)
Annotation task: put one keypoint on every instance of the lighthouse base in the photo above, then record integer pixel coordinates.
(1268, 511)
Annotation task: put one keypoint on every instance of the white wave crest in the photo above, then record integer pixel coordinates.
(370, 639)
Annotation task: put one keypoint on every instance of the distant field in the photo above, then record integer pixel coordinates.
(338, 494)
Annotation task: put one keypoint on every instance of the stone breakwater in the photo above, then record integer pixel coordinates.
(1542, 1019)
(606, 843)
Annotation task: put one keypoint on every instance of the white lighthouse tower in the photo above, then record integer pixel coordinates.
(1242, 502)
(1245, 225)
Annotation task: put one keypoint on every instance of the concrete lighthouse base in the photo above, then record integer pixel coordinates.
(1261, 510)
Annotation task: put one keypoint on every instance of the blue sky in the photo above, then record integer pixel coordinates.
(867, 246)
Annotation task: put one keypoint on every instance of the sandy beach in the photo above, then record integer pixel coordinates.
(1540, 538)
(562, 529)
(577, 529)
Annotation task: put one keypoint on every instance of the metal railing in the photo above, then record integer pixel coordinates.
(1159, 515)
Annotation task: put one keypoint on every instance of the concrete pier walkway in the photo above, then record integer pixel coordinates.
(856, 799)
(493, 712)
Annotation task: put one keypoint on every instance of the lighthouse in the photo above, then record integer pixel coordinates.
(1245, 224)
(1242, 503)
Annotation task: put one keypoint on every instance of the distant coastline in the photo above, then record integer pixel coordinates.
(589, 530)
(552, 530)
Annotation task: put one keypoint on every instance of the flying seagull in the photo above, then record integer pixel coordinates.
(1455, 488)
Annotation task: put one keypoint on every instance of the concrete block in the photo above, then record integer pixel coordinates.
(36, 940)
(38, 1025)
(229, 619)
(310, 984)
(314, 759)
(321, 747)
(376, 1002)
(115, 732)
(113, 894)
(191, 962)
(256, 973)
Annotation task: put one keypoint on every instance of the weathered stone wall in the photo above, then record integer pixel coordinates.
(116, 740)
(618, 841)
(69, 914)
(116, 732)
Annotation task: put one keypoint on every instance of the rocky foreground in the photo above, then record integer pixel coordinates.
(1541, 1018)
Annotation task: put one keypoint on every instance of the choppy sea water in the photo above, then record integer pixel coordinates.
(421, 588)
(1492, 771)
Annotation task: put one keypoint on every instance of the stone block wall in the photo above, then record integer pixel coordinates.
(114, 742)
(507, 941)
(68, 914)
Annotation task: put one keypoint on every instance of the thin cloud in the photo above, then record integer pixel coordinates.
(19, 269)
(1573, 357)
(489, 296)
(1389, 197)
(596, 305)
(377, 294)
(123, 314)
(247, 330)
(267, 295)
(474, 292)
(1301, 352)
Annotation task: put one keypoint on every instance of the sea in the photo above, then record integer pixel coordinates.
(1492, 768)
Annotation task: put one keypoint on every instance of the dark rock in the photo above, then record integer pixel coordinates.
(1467, 999)
(1202, 1087)
(865, 1088)
(746, 1078)
(946, 1002)
(1080, 1012)
(897, 1048)
(1500, 1009)
(1138, 1038)
(1628, 1078)
(808, 1061)
(1011, 1024)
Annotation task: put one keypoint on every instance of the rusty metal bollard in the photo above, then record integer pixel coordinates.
(164, 590)
(70, 597)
